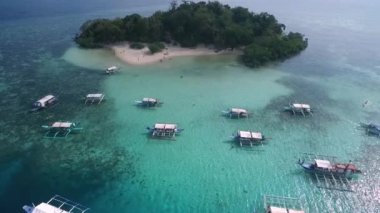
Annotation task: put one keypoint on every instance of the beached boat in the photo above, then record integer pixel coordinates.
(148, 102)
(278, 204)
(61, 129)
(56, 204)
(164, 130)
(94, 98)
(297, 108)
(236, 113)
(371, 128)
(44, 102)
(112, 70)
(323, 166)
(249, 138)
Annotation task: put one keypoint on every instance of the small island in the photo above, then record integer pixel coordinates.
(205, 27)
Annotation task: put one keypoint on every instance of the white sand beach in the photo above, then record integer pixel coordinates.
(143, 56)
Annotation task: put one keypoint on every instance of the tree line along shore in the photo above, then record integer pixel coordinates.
(260, 36)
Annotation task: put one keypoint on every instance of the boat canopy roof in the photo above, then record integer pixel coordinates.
(47, 208)
(250, 135)
(94, 96)
(62, 124)
(274, 209)
(324, 164)
(149, 100)
(238, 110)
(301, 106)
(165, 126)
(113, 68)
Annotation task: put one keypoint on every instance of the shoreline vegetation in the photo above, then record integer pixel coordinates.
(191, 29)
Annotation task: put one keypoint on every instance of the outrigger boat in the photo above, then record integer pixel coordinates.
(249, 138)
(277, 204)
(236, 113)
(164, 130)
(372, 128)
(44, 102)
(56, 204)
(61, 129)
(299, 108)
(322, 166)
(148, 102)
(94, 98)
(112, 70)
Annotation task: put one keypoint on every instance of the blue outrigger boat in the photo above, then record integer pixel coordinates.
(236, 113)
(149, 102)
(44, 102)
(61, 129)
(372, 128)
(322, 166)
(164, 130)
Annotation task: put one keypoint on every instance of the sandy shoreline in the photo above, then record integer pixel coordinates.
(143, 56)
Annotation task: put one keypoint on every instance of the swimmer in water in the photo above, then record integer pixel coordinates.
(365, 103)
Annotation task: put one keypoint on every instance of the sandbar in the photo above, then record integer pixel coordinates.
(143, 56)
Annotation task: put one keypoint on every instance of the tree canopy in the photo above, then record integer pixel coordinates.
(209, 23)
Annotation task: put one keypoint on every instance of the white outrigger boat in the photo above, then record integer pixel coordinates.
(164, 130)
(44, 102)
(299, 108)
(249, 138)
(61, 129)
(56, 204)
(149, 102)
(278, 204)
(94, 98)
(236, 113)
(112, 70)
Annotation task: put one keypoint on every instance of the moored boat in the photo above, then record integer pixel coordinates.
(236, 113)
(164, 130)
(279, 204)
(61, 129)
(94, 98)
(249, 138)
(299, 108)
(56, 204)
(371, 128)
(322, 166)
(44, 102)
(112, 70)
(148, 102)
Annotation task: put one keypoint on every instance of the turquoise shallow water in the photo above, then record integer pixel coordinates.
(112, 166)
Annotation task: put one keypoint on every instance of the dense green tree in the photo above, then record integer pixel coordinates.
(190, 24)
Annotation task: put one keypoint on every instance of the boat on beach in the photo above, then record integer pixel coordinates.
(236, 113)
(249, 138)
(112, 70)
(371, 128)
(323, 166)
(299, 108)
(56, 204)
(61, 129)
(164, 130)
(44, 102)
(149, 102)
(94, 98)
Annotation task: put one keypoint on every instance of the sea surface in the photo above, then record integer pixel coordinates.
(113, 166)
